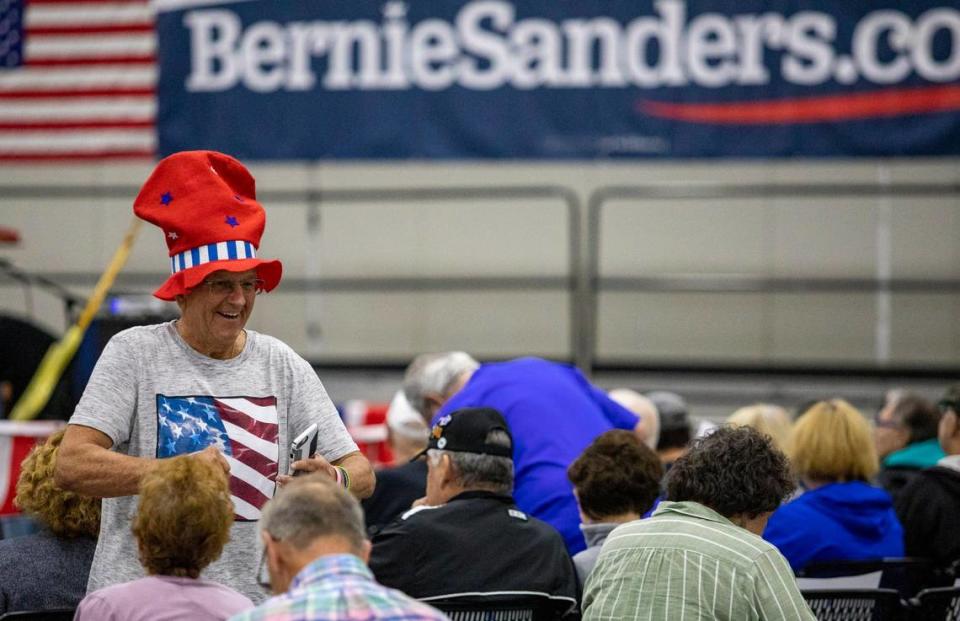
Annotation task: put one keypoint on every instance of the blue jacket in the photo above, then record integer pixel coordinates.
(553, 413)
(839, 521)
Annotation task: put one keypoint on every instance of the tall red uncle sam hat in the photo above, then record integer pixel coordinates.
(206, 204)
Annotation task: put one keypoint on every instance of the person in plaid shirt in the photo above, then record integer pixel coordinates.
(316, 552)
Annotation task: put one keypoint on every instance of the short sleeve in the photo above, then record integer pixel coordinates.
(309, 403)
(617, 415)
(109, 402)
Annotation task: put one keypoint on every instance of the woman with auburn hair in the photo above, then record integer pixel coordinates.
(839, 515)
(182, 523)
(768, 419)
(616, 480)
(48, 569)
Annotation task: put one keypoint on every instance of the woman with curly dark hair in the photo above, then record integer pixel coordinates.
(182, 523)
(615, 480)
(700, 555)
(48, 569)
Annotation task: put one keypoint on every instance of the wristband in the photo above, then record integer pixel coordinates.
(339, 475)
(343, 477)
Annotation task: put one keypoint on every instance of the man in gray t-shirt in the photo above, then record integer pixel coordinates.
(202, 384)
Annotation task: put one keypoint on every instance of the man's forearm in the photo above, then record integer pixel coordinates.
(362, 478)
(87, 467)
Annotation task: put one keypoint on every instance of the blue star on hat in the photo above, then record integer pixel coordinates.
(232, 221)
(166, 197)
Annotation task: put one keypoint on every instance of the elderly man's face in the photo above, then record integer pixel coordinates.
(947, 430)
(438, 468)
(213, 318)
(888, 435)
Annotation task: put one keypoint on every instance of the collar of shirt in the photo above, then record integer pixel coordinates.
(328, 566)
(596, 533)
(482, 493)
(691, 509)
(950, 461)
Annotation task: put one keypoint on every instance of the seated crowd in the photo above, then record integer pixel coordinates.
(523, 478)
(838, 514)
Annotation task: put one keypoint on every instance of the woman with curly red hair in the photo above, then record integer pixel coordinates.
(182, 523)
(48, 569)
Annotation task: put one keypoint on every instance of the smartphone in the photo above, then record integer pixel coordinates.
(302, 447)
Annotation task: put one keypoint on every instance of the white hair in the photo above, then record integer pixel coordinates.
(642, 407)
(481, 471)
(405, 421)
(436, 374)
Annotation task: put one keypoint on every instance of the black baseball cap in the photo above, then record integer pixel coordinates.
(466, 430)
(672, 409)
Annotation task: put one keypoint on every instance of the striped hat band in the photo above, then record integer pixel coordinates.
(220, 251)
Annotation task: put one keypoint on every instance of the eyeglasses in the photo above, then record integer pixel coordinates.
(225, 287)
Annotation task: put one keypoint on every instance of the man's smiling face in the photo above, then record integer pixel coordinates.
(213, 320)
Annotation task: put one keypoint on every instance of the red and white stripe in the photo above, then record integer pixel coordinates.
(16, 440)
(87, 88)
(253, 428)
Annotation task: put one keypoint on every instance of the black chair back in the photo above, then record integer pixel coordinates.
(503, 606)
(54, 614)
(940, 604)
(855, 604)
(906, 575)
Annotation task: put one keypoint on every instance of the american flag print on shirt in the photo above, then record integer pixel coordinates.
(246, 431)
(77, 80)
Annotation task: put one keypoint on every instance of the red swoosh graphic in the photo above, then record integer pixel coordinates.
(885, 103)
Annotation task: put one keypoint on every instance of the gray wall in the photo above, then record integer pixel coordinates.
(705, 241)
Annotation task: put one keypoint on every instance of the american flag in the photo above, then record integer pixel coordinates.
(245, 429)
(77, 80)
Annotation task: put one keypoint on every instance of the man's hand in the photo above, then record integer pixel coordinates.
(361, 476)
(308, 466)
(213, 455)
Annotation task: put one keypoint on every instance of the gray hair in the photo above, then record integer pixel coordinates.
(479, 471)
(644, 408)
(310, 508)
(435, 373)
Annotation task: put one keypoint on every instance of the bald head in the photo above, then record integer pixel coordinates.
(311, 508)
(643, 407)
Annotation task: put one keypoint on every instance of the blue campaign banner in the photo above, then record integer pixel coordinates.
(559, 79)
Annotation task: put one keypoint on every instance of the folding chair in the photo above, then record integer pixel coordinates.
(504, 606)
(907, 575)
(940, 604)
(855, 604)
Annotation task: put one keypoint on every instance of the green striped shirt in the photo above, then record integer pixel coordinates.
(688, 562)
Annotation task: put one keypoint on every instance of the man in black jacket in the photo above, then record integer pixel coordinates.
(929, 504)
(905, 433)
(468, 536)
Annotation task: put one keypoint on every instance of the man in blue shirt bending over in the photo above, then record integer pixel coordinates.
(553, 413)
